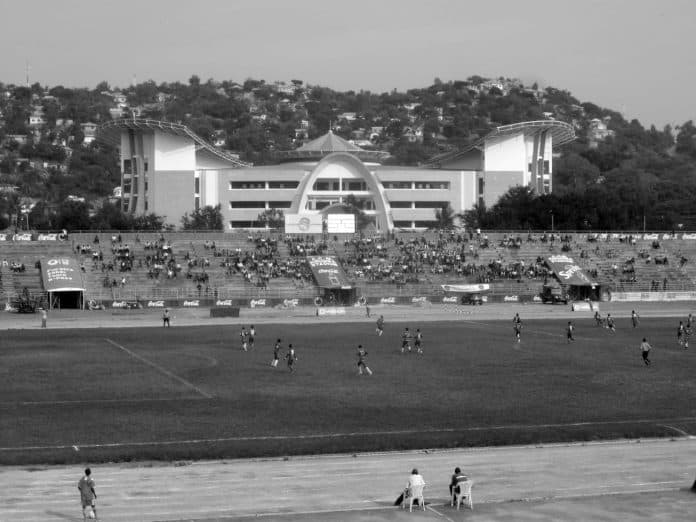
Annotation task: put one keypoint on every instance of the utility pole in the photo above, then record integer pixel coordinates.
(27, 69)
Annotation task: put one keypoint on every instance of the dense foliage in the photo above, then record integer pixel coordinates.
(628, 177)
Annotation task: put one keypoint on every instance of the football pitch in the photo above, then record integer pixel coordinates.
(190, 392)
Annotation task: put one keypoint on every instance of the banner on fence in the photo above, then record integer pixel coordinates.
(466, 289)
(303, 224)
(653, 296)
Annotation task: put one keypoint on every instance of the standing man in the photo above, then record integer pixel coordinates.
(362, 355)
(634, 318)
(689, 322)
(87, 495)
(516, 319)
(518, 331)
(243, 338)
(165, 318)
(380, 326)
(598, 318)
(44, 318)
(291, 357)
(367, 309)
(276, 354)
(405, 340)
(419, 342)
(645, 351)
(251, 335)
(610, 323)
(569, 332)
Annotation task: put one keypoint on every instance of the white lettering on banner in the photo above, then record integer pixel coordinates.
(257, 302)
(155, 304)
(193, 303)
(451, 299)
(602, 237)
(48, 237)
(223, 302)
(419, 299)
(388, 300)
(688, 236)
(291, 302)
(511, 298)
(52, 262)
(21, 237)
(650, 237)
(536, 299)
(119, 304)
(561, 259)
(332, 311)
(321, 261)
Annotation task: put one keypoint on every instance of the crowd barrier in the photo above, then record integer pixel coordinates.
(652, 296)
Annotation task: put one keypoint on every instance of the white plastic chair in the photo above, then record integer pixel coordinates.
(415, 492)
(464, 494)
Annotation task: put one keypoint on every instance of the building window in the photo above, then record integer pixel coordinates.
(197, 185)
(431, 204)
(402, 224)
(134, 165)
(432, 185)
(127, 166)
(326, 185)
(397, 185)
(279, 204)
(424, 224)
(197, 202)
(247, 185)
(546, 167)
(283, 184)
(145, 166)
(400, 204)
(480, 186)
(247, 204)
(146, 205)
(146, 186)
(355, 186)
(245, 224)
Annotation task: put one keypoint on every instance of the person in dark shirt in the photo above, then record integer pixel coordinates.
(250, 336)
(569, 332)
(405, 340)
(276, 353)
(518, 331)
(291, 358)
(380, 325)
(419, 342)
(362, 365)
(457, 477)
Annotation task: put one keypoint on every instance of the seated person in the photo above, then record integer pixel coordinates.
(457, 478)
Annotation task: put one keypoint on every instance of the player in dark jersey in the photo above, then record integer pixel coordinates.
(610, 323)
(681, 336)
(380, 325)
(250, 336)
(518, 331)
(291, 357)
(689, 322)
(598, 318)
(419, 342)
(362, 355)
(276, 353)
(244, 338)
(569, 332)
(634, 318)
(405, 340)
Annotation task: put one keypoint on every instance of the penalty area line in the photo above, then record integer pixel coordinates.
(337, 435)
(157, 367)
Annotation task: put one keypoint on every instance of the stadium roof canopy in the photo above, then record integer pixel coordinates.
(561, 133)
(110, 132)
(328, 144)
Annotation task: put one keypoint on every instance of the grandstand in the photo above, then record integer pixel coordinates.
(251, 266)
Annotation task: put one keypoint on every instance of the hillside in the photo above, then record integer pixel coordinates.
(618, 174)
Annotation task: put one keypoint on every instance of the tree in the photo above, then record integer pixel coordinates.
(206, 218)
(272, 218)
(444, 217)
(73, 215)
(352, 205)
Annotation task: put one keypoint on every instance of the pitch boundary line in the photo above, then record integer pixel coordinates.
(349, 434)
(98, 401)
(160, 369)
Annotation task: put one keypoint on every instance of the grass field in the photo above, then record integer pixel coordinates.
(190, 392)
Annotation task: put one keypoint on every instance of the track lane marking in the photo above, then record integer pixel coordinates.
(160, 369)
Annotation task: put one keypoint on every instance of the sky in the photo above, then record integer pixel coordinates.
(632, 56)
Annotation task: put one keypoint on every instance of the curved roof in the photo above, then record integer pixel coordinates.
(328, 144)
(110, 132)
(561, 133)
